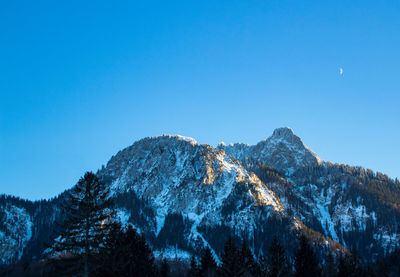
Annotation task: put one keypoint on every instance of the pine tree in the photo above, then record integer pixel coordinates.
(349, 265)
(208, 265)
(164, 270)
(88, 216)
(231, 266)
(344, 267)
(108, 257)
(277, 264)
(128, 255)
(329, 269)
(247, 261)
(305, 261)
(263, 264)
(194, 267)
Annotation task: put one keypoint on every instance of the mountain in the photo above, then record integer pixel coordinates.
(193, 195)
(184, 195)
(351, 205)
(283, 151)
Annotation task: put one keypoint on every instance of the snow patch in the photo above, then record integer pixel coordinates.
(172, 253)
(123, 216)
(192, 141)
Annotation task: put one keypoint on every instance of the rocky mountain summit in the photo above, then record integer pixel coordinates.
(184, 195)
(283, 151)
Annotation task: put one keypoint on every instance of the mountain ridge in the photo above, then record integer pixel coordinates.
(283, 150)
(184, 194)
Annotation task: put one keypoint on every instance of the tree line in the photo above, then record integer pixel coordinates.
(91, 242)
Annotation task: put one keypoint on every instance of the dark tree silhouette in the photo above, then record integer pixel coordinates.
(208, 265)
(194, 267)
(89, 214)
(330, 267)
(305, 260)
(277, 265)
(350, 265)
(231, 265)
(165, 269)
(128, 254)
(247, 261)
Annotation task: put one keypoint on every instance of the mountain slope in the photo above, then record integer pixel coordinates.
(283, 151)
(351, 205)
(204, 185)
(184, 195)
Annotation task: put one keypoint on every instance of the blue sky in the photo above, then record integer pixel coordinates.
(80, 81)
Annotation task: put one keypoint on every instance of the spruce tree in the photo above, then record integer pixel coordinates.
(231, 266)
(194, 267)
(129, 255)
(164, 269)
(349, 266)
(277, 265)
(263, 264)
(89, 214)
(247, 261)
(305, 261)
(344, 267)
(329, 269)
(112, 244)
(208, 265)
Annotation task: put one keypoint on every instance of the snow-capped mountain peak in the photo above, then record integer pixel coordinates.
(283, 150)
(178, 175)
(283, 132)
(186, 195)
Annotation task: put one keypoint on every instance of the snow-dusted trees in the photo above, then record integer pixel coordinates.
(89, 214)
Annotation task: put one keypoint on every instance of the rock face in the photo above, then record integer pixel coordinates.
(179, 176)
(339, 201)
(15, 233)
(204, 186)
(284, 151)
(184, 195)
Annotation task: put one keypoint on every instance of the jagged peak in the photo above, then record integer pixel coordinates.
(286, 134)
(293, 148)
(283, 132)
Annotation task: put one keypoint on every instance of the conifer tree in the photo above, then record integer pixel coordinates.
(344, 267)
(329, 269)
(164, 270)
(208, 265)
(305, 261)
(263, 264)
(128, 255)
(277, 264)
(89, 213)
(231, 266)
(194, 267)
(349, 266)
(247, 261)
(109, 259)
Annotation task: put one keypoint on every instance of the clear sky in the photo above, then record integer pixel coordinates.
(79, 81)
